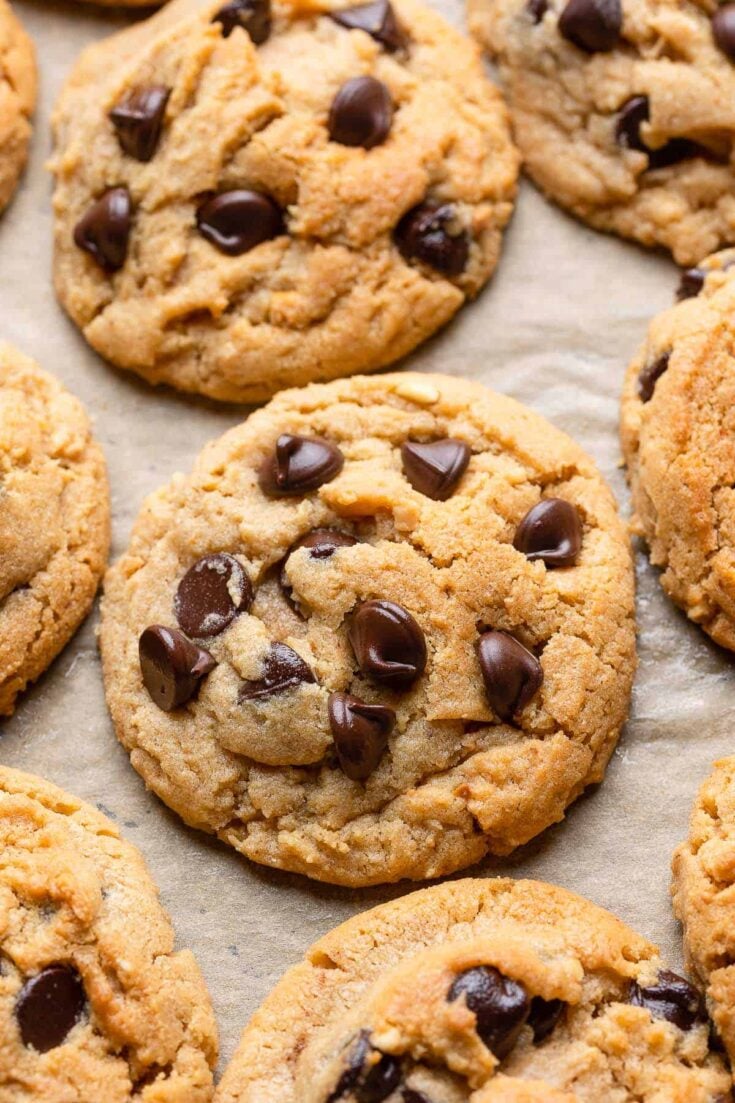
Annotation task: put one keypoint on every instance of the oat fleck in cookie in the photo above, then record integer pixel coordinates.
(492, 991)
(17, 99)
(384, 627)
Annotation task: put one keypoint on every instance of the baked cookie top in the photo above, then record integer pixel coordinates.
(624, 111)
(17, 99)
(94, 1002)
(54, 521)
(678, 434)
(479, 991)
(276, 196)
(384, 627)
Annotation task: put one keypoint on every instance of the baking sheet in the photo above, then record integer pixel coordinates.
(555, 329)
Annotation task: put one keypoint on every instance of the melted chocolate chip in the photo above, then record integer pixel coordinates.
(537, 9)
(378, 20)
(354, 1061)
(552, 532)
(500, 1004)
(360, 733)
(389, 645)
(410, 1095)
(104, 230)
(369, 1081)
(172, 666)
(236, 221)
(380, 1081)
(435, 469)
(723, 29)
(283, 669)
(211, 594)
(254, 16)
(631, 116)
(650, 374)
(361, 113)
(298, 465)
(691, 283)
(592, 25)
(138, 120)
(512, 675)
(672, 998)
(428, 233)
(49, 1005)
(543, 1017)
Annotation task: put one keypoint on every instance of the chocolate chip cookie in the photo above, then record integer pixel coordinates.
(679, 445)
(384, 627)
(484, 991)
(276, 196)
(624, 111)
(17, 99)
(95, 1005)
(54, 521)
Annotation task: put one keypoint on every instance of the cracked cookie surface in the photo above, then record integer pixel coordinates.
(54, 521)
(479, 991)
(95, 1004)
(414, 648)
(17, 99)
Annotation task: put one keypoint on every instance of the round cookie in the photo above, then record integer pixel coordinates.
(383, 628)
(54, 521)
(95, 1004)
(276, 197)
(479, 991)
(624, 111)
(17, 99)
(679, 444)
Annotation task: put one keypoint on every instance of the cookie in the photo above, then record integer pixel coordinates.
(384, 627)
(479, 991)
(95, 1004)
(276, 196)
(677, 434)
(17, 99)
(624, 111)
(54, 521)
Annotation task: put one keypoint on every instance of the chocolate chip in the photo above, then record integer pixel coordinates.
(49, 1005)
(254, 16)
(500, 1004)
(672, 998)
(283, 669)
(378, 20)
(211, 594)
(631, 116)
(138, 120)
(361, 113)
(691, 283)
(723, 29)
(592, 25)
(543, 1017)
(236, 221)
(369, 1082)
(380, 1081)
(172, 666)
(389, 645)
(410, 1095)
(429, 233)
(552, 532)
(354, 1062)
(298, 465)
(323, 543)
(512, 675)
(435, 469)
(650, 374)
(537, 9)
(104, 230)
(360, 733)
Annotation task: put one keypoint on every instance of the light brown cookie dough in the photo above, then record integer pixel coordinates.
(679, 444)
(491, 686)
(95, 1005)
(54, 520)
(624, 111)
(250, 252)
(17, 99)
(492, 991)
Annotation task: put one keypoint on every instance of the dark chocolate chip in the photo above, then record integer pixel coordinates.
(283, 669)
(138, 120)
(172, 666)
(631, 116)
(428, 233)
(537, 9)
(650, 374)
(368, 1080)
(361, 113)
(500, 1004)
(298, 465)
(354, 1062)
(512, 675)
(380, 1081)
(211, 594)
(254, 16)
(389, 645)
(378, 20)
(691, 283)
(49, 1005)
(236, 221)
(104, 230)
(723, 29)
(552, 532)
(543, 1017)
(360, 733)
(435, 469)
(592, 25)
(410, 1095)
(321, 544)
(672, 998)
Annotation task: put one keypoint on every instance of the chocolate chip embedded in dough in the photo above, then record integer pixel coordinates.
(237, 221)
(429, 233)
(592, 25)
(511, 673)
(211, 594)
(500, 1004)
(138, 120)
(299, 465)
(671, 998)
(361, 113)
(48, 1007)
(254, 16)
(104, 230)
(283, 669)
(552, 532)
(435, 468)
(378, 20)
(389, 645)
(172, 666)
(360, 732)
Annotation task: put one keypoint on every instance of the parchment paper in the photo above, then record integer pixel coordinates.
(555, 329)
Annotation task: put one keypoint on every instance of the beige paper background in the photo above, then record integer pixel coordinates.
(554, 329)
